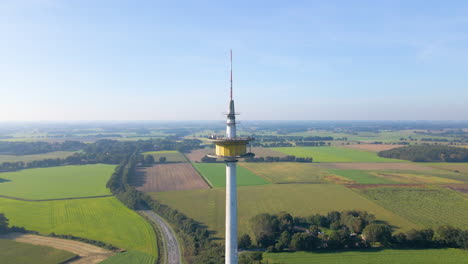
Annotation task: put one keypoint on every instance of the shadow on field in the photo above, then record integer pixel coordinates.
(139, 178)
(4, 180)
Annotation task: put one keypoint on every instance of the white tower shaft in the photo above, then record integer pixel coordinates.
(231, 188)
(231, 213)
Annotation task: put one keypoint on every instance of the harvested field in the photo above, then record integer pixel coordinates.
(170, 155)
(287, 172)
(87, 252)
(372, 147)
(168, 177)
(362, 177)
(198, 154)
(459, 168)
(415, 178)
(374, 166)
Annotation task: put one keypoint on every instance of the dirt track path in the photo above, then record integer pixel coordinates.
(89, 254)
(172, 245)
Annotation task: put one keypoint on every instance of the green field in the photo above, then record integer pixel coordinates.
(207, 206)
(12, 252)
(29, 158)
(215, 173)
(334, 154)
(287, 172)
(57, 182)
(130, 257)
(453, 170)
(390, 256)
(362, 177)
(103, 219)
(384, 136)
(429, 207)
(171, 155)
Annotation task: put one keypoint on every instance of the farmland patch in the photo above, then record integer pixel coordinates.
(428, 207)
(57, 182)
(362, 177)
(29, 158)
(21, 253)
(371, 256)
(168, 177)
(208, 206)
(372, 147)
(170, 155)
(288, 172)
(215, 173)
(374, 166)
(101, 219)
(334, 154)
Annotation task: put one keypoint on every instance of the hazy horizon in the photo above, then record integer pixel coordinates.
(156, 61)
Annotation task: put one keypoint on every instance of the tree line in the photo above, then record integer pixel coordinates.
(289, 158)
(105, 151)
(427, 153)
(198, 245)
(342, 230)
(30, 148)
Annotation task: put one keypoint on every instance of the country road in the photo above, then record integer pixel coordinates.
(172, 245)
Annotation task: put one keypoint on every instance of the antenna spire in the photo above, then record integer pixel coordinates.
(231, 74)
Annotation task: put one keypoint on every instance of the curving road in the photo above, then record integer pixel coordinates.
(172, 245)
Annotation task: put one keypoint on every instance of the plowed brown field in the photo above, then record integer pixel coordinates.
(168, 177)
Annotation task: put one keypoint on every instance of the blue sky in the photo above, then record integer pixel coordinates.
(298, 60)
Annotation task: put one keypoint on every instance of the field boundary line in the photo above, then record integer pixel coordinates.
(55, 199)
(201, 175)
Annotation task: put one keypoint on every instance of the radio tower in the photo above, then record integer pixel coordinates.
(231, 148)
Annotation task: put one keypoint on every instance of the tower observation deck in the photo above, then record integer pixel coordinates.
(230, 149)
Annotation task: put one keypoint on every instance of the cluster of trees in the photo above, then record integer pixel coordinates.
(30, 148)
(342, 230)
(427, 153)
(289, 158)
(105, 151)
(198, 245)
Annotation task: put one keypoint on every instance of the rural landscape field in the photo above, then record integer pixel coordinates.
(99, 194)
(233, 132)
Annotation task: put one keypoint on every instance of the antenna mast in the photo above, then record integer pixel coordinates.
(231, 74)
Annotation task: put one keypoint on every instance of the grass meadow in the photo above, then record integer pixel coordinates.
(429, 207)
(215, 173)
(208, 206)
(130, 256)
(171, 155)
(287, 172)
(385, 256)
(13, 252)
(334, 154)
(103, 219)
(57, 182)
(29, 158)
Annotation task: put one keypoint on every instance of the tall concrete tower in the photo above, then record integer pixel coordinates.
(231, 148)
